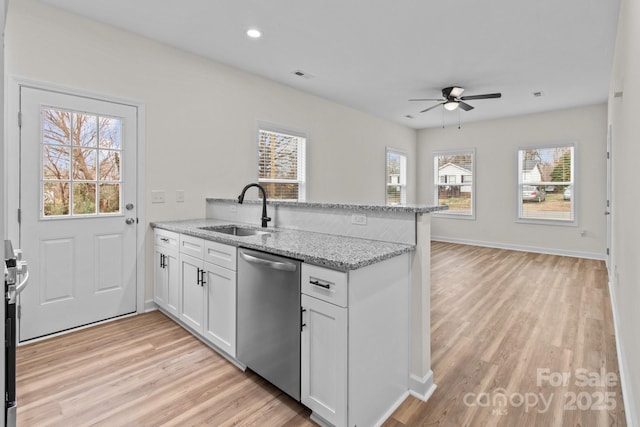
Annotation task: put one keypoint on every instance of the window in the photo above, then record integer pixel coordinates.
(81, 163)
(281, 163)
(396, 177)
(546, 183)
(454, 177)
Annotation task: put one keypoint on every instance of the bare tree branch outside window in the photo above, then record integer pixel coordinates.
(81, 163)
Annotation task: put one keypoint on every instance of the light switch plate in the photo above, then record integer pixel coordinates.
(157, 196)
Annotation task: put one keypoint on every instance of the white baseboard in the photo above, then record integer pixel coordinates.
(522, 248)
(627, 393)
(150, 305)
(422, 388)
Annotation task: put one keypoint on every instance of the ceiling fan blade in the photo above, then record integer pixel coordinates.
(465, 106)
(427, 99)
(485, 96)
(431, 108)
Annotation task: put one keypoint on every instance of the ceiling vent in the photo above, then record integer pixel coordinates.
(304, 75)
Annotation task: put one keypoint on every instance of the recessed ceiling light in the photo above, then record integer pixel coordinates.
(253, 33)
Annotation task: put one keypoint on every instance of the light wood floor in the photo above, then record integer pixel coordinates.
(497, 318)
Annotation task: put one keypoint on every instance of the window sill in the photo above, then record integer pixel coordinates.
(557, 222)
(444, 214)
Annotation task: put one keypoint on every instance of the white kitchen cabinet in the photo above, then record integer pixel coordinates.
(220, 292)
(324, 360)
(208, 281)
(355, 343)
(166, 271)
(191, 275)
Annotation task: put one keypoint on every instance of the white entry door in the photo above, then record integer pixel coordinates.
(77, 210)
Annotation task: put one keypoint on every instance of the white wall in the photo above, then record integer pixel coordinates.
(496, 143)
(624, 118)
(201, 116)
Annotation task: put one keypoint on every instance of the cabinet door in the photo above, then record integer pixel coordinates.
(220, 313)
(192, 292)
(172, 270)
(160, 290)
(324, 360)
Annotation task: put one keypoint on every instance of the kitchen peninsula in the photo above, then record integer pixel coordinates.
(365, 285)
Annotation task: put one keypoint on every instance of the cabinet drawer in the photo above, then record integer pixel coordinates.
(166, 239)
(193, 246)
(220, 254)
(325, 284)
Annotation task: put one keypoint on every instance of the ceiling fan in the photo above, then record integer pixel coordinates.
(452, 99)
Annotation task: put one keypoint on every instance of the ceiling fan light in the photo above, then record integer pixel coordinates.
(451, 105)
(456, 92)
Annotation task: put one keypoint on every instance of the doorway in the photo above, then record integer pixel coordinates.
(77, 210)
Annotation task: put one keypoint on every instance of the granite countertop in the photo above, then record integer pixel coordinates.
(370, 208)
(336, 252)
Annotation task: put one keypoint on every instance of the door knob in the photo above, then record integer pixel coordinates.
(129, 221)
(129, 206)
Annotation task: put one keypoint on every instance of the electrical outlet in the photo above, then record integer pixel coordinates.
(179, 195)
(157, 196)
(359, 219)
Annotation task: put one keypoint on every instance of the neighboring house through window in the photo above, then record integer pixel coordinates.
(454, 182)
(546, 183)
(396, 188)
(281, 162)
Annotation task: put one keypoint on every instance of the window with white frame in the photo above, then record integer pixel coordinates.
(281, 163)
(81, 164)
(396, 177)
(454, 173)
(546, 183)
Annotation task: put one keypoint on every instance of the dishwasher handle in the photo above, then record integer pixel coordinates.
(276, 265)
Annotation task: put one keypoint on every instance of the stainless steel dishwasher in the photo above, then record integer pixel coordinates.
(269, 318)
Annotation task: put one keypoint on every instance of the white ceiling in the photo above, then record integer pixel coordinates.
(374, 55)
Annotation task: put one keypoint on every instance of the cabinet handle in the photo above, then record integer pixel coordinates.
(164, 239)
(302, 324)
(202, 282)
(162, 261)
(198, 279)
(322, 285)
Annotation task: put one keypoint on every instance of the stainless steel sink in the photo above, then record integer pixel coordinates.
(235, 230)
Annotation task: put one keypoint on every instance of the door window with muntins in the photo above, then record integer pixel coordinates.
(81, 164)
